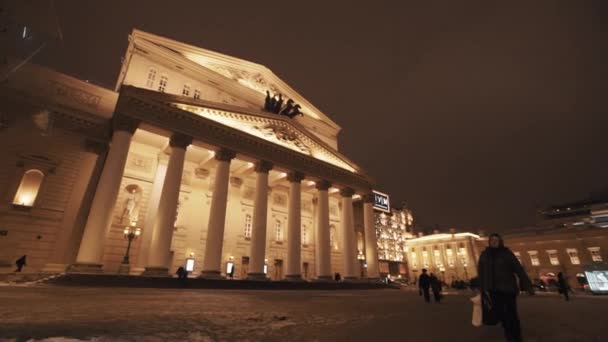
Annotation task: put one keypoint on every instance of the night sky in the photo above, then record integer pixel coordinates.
(475, 114)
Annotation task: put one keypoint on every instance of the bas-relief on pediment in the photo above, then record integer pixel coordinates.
(274, 130)
(252, 80)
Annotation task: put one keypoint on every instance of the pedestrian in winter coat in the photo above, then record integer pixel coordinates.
(436, 287)
(497, 269)
(424, 282)
(562, 285)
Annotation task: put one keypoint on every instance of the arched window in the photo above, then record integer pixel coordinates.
(247, 226)
(28, 188)
(151, 78)
(278, 231)
(333, 241)
(162, 84)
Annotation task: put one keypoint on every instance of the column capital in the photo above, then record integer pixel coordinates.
(224, 154)
(347, 192)
(323, 185)
(124, 123)
(180, 140)
(95, 146)
(263, 166)
(295, 176)
(368, 198)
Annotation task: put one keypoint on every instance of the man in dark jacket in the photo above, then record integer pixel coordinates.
(436, 287)
(424, 282)
(497, 269)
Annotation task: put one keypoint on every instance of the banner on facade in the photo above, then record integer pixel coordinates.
(381, 202)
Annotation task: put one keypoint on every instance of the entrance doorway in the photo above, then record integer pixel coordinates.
(305, 270)
(244, 267)
(278, 269)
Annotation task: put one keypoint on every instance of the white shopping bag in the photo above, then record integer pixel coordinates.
(477, 319)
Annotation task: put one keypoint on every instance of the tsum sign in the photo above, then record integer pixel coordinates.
(382, 202)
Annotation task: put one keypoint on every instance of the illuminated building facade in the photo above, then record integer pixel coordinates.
(450, 256)
(392, 231)
(185, 152)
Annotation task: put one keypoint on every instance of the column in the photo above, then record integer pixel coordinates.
(150, 219)
(348, 235)
(90, 253)
(322, 247)
(159, 253)
(294, 224)
(371, 245)
(259, 222)
(72, 223)
(212, 259)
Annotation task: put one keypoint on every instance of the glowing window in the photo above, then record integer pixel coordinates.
(534, 258)
(332, 237)
(437, 256)
(162, 84)
(197, 94)
(464, 259)
(595, 253)
(425, 259)
(553, 259)
(450, 256)
(414, 260)
(518, 256)
(247, 226)
(28, 188)
(573, 254)
(151, 78)
(186, 90)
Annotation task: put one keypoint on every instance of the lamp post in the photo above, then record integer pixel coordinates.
(130, 233)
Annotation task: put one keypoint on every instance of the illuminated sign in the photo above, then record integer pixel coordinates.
(382, 202)
(190, 264)
(598, 281)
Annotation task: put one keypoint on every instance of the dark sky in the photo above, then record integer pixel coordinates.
(475, 113)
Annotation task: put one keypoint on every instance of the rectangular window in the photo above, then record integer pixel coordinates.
(553, 257)
(425, 259)
(162, 84)
(450, 255)
(595, 254)
(437, 256)
(414, 261)
(278, 232)
(197, 94)
(573, 254)
(534, 258)
(151, 78)
(464, 259)
(518, 256)
(247, 226)
(186, 90)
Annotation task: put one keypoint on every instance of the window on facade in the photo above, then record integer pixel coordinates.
(437, 256)
(518, 256)
(304, 235)
(553, 259)
(595, 253)
(414, 260)
(28, 188)
(425, 259)
(333, 241)
(186, 90)
(573, 254)
(463, 256)
(278, 232)
(162, 84)
(247, 226)
(534, 258)
(151, 78)
(197, 94)
(450, 256)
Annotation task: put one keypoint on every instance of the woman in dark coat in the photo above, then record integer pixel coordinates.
(497, 269)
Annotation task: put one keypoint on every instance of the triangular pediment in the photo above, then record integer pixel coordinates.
(246, 80)
(275, 129)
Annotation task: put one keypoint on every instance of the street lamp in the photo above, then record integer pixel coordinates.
(131, 233)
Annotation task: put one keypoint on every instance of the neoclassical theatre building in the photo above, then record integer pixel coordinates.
(193, 154)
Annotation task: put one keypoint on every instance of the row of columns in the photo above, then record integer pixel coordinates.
(90, 253)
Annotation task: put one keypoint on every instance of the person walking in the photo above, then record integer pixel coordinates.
(562, 286)
(20, 263)
(497, 269)
(424, 282)
(435, 287)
